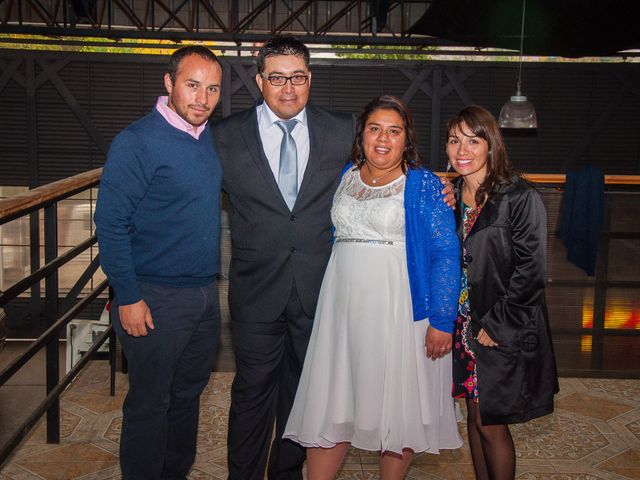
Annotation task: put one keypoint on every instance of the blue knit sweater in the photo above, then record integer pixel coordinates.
(158, 211)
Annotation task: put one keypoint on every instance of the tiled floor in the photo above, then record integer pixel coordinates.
(594, 434)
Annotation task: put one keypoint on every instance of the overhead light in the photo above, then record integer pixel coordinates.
(518, 112)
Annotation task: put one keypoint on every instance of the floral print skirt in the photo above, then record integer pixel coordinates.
(465, 380)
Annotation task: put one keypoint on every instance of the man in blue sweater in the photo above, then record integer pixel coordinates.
(158, 226)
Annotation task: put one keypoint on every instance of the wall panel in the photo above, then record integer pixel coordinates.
(587, 112)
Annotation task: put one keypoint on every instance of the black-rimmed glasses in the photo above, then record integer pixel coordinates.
(281, 80)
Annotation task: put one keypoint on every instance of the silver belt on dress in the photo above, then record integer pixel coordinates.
(364, 240)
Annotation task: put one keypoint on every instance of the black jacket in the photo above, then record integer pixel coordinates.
(505, 260)
(273, 248)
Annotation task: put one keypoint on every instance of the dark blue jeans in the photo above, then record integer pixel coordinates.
(168, 370)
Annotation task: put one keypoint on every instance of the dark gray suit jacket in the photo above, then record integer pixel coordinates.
(273, 248)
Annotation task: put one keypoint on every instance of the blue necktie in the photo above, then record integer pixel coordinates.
(288, 170)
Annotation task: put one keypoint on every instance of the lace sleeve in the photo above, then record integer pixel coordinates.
(433, 251)
(444, 253)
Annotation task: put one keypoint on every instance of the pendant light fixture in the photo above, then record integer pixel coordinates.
(518, 112)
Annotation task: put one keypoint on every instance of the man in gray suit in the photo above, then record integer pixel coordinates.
(281, 236)
(279, 251)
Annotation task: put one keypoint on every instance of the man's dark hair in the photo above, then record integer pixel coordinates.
(178, 55)
(282, 45)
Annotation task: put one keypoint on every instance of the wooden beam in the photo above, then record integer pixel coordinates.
(411, 75)
(416, 83)
(561, 178)
(247, 81)
(38, 197)
(79, 112)
(456, 80)
(10, 71)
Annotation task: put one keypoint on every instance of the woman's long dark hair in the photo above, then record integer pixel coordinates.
(410, 155)
(481, 123)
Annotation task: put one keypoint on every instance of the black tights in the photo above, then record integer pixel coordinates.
(492, 450)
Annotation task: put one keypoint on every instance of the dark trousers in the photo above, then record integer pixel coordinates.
(168, 370)
(269, 356)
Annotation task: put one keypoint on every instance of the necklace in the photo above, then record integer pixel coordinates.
(377, 179)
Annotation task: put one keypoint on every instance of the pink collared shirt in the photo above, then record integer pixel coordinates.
(176, 120)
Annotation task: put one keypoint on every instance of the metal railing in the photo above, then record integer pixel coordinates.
(57, 312)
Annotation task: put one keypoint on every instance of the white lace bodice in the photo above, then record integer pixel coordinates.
(371, 213)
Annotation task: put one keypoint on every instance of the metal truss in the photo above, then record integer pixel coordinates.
(314, 21)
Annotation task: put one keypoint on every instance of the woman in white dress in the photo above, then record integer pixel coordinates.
(377, 373)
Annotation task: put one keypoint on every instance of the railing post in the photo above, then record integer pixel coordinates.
(51, 315)
(35, 302)
(600, 289)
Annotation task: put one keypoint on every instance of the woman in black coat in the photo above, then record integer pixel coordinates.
(503, 357)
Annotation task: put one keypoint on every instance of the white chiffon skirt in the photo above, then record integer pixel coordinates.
(366, 378)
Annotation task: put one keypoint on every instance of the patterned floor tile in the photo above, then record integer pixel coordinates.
(97, 402)
(623, 389)
(592, 436)
(92, 373)
(440, 471)
(69, 461)
(68, 423)
(107, 474)
(458, 456)
(220, 383)
(634, 428)
(14, 472)
(557, 437)
(196, 474)
(113, 430)
(357, 475)
(212, 429)
(626, 464)
(558, 476)
(591, 406)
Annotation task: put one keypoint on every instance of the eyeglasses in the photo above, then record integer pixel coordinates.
(281, 80)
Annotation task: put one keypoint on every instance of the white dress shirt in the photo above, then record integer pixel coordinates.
(271, 136)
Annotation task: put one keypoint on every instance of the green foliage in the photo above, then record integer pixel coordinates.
(90, 44)
(376, 52)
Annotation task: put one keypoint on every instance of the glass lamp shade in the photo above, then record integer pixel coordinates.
(518, 112)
